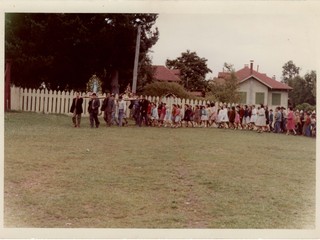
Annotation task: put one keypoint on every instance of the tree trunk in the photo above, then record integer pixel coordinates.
(115, 82)
(7, 93)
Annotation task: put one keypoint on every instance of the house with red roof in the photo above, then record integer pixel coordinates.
(163, 74)
(257, 88)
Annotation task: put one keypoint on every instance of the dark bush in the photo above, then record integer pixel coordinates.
(163, 88)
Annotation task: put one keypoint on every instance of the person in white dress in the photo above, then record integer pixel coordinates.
(261, 119)
(253, 118)
(223, 117)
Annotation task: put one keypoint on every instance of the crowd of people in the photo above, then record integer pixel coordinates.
(240, 117)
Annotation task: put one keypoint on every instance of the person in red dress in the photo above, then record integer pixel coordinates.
(290, 122)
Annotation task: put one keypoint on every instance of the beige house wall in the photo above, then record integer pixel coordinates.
(284, 99)
(252, 86)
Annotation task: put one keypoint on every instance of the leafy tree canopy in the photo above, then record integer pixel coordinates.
(225, 90)
(193, 70)
(311, 81)
(229, 67)
(66, 49)
(304, 88)
(289, 71)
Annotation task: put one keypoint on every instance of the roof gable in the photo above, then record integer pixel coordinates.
(161, 73)
(246, 73)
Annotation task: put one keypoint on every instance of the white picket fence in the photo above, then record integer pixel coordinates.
(59, 102)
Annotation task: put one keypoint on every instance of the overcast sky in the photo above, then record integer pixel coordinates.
(269, 39)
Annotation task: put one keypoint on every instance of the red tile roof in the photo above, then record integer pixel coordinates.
(161, 73)
(245, 74)
(176, 72)
(223, 74)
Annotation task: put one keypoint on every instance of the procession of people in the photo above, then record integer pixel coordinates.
(240, 117)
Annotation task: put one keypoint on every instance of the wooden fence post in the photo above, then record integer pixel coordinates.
(33, 96)
(21, 98)
(24, 100)
(67, 103)
(54, 101)
(15, 98)
(50, 102)
(45, 101)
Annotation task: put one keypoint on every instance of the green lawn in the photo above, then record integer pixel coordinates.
(59, 176)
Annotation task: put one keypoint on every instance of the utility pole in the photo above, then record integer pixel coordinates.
(136, 59)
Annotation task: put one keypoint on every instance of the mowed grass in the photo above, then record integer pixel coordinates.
(59, 176)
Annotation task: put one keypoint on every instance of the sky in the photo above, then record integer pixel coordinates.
(269, 39)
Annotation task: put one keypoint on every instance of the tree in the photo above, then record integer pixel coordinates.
(226, 90)
(67, 49)
(145, 75)
(311, 80)
(229, 67)
(303, 89)
(298, 93)
(193, 70)
(290, 70)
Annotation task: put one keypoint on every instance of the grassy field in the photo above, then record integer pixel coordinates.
(59, 176)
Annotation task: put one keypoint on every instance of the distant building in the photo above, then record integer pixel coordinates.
(163, 74)
(257, 88)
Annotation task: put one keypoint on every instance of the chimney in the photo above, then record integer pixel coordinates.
(251, 66)
(257, 68)
(274, 77)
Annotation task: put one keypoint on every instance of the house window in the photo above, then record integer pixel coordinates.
(276, 99)
(260, 98)
(243, 97)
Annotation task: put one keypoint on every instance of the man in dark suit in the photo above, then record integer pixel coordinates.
(76, 109)
(143, 108)
(93, 109)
